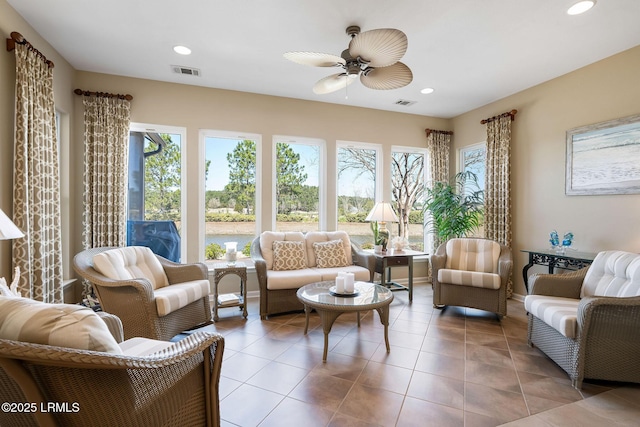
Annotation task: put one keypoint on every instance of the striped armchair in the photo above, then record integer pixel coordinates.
(471, 272)
(154, 297)
(588, 321)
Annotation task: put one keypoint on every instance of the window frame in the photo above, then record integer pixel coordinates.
(182, 131)
(201, 187)
(322, 175)
(425, 172)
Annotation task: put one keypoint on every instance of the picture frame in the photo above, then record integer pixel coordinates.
(604, 158)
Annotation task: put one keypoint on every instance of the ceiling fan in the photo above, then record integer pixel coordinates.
(373, 55)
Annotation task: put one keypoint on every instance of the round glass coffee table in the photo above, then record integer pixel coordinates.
(330, 306)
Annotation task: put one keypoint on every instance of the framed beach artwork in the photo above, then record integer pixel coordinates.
(604, 158)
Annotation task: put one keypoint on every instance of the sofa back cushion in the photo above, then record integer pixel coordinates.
(613, 274)
(268, 237)
(289, 255)
(326, 236)
(62, 325)
(473, 255)
(330, 254)
(131, 262)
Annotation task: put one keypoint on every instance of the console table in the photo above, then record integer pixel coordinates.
(571, 260)
(392, 258)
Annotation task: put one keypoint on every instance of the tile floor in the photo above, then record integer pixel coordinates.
(452, 367)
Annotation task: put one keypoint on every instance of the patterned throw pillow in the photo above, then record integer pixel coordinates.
(62, 325)
(330, 254)
(289, 255)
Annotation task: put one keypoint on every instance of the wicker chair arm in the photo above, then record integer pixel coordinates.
(260, 264)
(114, 324)
(614, 307)
(438, 260)
(363, 259)
(194, 344)
(180, 273)
(558, 285)
(505, 264)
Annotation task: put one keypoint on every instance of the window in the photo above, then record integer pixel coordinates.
(357, 192)
(154, 211)
(231, 192)
(297, 194)
(472, 159)
(408, 176)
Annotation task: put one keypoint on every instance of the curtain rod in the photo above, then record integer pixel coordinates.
(511, 113)
(444, 132)
(19, 38)
(103, 94)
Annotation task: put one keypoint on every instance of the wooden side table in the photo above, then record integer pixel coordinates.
(386, 260)
(220, 270)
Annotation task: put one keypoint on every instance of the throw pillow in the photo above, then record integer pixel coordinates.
(62, 325)
(289, 255)
(330, 254)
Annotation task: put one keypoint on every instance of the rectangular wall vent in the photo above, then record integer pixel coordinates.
(404, 102)
(187, 71)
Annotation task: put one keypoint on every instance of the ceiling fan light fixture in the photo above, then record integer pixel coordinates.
(581, 7)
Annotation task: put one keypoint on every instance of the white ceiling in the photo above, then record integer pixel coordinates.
(471, 52)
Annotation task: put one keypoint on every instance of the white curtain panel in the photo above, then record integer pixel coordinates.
(36, 208)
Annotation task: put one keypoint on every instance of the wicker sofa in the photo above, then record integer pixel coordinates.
(588, 321)
(282, 272)
(93, 378)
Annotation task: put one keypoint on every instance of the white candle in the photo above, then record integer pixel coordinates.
(349, 284)
(340, 285)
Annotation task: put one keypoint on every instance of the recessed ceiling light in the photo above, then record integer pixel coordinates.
(182, 50)
(581, 7)
(427, 90)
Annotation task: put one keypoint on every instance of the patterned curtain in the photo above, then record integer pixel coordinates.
(106, 136)
(36, 209)
(438, 143)
(498, 183)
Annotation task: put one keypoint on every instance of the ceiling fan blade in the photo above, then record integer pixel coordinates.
(332, 83)
(315, 59)
(381, 47)
(392, 77)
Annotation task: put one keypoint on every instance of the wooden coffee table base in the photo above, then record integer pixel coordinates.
(329, 312)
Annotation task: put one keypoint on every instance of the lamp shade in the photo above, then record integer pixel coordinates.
(8, 229)
(382, 212)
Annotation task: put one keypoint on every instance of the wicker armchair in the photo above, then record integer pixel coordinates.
(133, 301)
(177, 386)
(588, 321)
(461, 278)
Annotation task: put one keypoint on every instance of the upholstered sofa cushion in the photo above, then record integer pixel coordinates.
(557, 312)
(131, 262)
(143, 346)
(613, 274)
(469, 278)
(330, 254)
(266, 243)
(289, 255)
(178, 295)
(473, 255)
(62, 325)
(325, 236)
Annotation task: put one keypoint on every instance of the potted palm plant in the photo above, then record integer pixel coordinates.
(456, 208)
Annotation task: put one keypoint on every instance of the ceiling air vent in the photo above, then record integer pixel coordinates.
(404, 102)
(187, 71)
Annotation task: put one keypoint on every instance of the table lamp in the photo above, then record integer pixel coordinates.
(382, 212)
(9, 231)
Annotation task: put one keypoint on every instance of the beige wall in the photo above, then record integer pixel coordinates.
(606, 90)
(64, 76)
